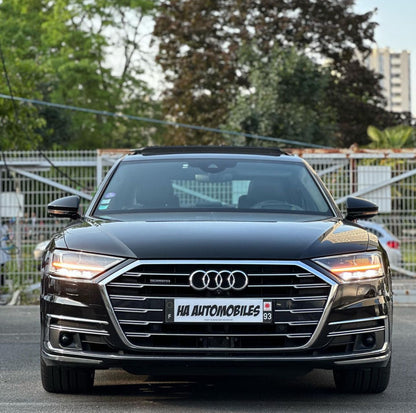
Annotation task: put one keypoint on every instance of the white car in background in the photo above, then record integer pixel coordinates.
(388, 241)
(39, 249)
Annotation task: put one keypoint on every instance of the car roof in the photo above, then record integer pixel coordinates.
(243, 152)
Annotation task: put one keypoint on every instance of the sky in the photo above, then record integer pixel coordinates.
(396, 29)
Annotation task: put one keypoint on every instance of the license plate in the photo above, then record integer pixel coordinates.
(218, 310)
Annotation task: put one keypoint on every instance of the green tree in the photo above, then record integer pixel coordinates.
(287, 99)
(60, 51)
(200, 43)
(357, 100)
(394, 137)
(18, 44)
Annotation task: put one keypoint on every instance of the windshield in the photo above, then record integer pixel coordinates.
(212, 185)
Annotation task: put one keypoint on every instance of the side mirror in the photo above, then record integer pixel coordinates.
(358, 208)
(66, 207)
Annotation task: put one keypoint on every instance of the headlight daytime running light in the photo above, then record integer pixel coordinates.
(81, 265)
(354, 267)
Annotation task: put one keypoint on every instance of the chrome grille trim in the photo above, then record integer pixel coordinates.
(302, 311)
(295, 335)
(294, 299)
(358, 320)
(160, 274)
(299, 323)
(137, 310)
(80, 330)
(76, 319)
(156, 274)
(128, 297)
(304, 286)
(99, 324)
(326, 282)
(356, 331)
(312, 298)
(127, 285)
(139, 323)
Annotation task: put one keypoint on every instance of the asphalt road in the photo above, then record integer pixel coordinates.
(21, 389)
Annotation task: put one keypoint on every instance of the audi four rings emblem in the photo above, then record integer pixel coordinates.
(218, 280)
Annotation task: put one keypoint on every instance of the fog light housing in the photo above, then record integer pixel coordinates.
(66, 339)
(368, 340)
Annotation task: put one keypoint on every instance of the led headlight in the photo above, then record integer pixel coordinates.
(82, 265)
(354, 267)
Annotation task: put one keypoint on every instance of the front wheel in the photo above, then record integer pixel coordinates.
(362, 380)
(56, 379)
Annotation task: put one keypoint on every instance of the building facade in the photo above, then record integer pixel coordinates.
(395, 68)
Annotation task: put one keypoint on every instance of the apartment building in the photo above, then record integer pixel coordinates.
(395, 68)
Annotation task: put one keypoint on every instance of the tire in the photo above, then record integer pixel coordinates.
(362, 380)
(57, 379)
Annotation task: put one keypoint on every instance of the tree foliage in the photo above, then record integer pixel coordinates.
(287, 99)
(357, 100)
(59, 51)
(393, 137)
(200, 43)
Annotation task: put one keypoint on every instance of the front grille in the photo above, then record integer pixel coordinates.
(139, 295)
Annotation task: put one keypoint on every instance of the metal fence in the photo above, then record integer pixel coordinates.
(386, 177)
(30, 180)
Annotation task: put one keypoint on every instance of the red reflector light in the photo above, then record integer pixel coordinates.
(393, 244)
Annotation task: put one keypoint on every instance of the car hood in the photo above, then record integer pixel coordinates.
(216, 239)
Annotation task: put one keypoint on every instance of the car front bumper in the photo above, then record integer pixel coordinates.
(354, 329)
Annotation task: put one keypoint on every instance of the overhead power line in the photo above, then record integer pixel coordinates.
(162, 122)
